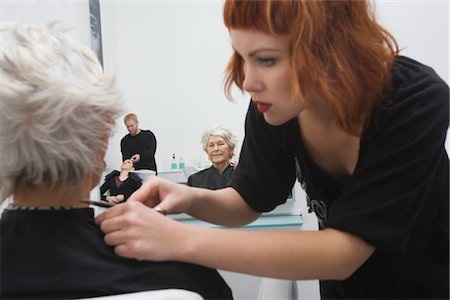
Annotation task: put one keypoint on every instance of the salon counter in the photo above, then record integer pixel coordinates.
(264, 222)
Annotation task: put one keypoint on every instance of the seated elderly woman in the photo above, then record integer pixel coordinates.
(218, 142)
(57, 111)
(120, 184)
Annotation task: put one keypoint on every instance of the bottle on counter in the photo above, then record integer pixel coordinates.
(181, 164)
(174, 162)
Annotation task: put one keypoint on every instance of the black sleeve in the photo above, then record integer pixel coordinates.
(137, 181)
(395, 188)
(150, 146)
(124, 149)
(132, 184)
(103, 189)
(189, 181)
(106, 186)
(265, 173)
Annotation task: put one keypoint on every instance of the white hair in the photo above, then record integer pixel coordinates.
(223, 132)
(57, 108)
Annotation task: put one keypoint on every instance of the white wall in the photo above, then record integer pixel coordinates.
(169, 58)
(73, 13)
(421, 29)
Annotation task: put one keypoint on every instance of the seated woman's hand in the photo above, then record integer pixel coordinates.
(111, 199)
(119, 198)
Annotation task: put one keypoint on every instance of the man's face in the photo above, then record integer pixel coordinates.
(132, 127)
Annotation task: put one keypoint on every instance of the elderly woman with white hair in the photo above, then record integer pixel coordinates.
(219, 143)
(57, 111)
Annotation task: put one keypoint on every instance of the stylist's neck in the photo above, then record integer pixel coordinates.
(44, 196)
(137, 132)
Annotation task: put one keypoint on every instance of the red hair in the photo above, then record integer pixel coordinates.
(338, 52)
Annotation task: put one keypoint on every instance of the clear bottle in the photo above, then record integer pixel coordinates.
(181, 164)
(174, 162)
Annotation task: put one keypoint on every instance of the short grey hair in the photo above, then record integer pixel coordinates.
(222, 131)
(57, 108)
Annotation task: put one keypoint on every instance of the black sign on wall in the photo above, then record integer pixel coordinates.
(96, 29)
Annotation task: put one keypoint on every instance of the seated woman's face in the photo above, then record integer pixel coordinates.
(127, 164)
(218, 150)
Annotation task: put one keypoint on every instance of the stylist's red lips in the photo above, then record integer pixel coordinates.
(263, 107)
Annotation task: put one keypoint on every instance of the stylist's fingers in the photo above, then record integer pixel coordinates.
(147, 193)
(111, 212)
(138, 232)
(132, 248)
(125, 250)
(121, 228)
(155, 192)
(166, 196)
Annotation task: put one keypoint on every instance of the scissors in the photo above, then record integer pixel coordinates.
(98, 203)
(108, 205)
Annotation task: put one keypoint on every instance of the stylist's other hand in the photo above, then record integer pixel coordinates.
(136, 158)
(136, 231)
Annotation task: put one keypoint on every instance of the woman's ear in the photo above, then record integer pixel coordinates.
(231, 152)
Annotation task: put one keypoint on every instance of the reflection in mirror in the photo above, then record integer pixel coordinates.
(169, 58)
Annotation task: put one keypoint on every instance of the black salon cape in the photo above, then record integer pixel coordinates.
(62, 254)
(396, 200)
(211, 178)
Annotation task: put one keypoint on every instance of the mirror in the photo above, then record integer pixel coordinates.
(170, 58)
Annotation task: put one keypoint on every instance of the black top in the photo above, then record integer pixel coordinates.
(126, 188)
(144, 144)
(211, 178)
(396, 200)
(61, 254)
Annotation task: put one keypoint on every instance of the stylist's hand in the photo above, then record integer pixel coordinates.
(172, 197)
(137, 231)
(136, 158)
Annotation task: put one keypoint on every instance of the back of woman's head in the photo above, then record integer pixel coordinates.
(338, 52)
(57, 108)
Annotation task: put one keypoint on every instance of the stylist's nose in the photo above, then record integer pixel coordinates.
(251, 82)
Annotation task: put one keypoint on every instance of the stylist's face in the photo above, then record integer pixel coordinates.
(267, 74)
(132, 127)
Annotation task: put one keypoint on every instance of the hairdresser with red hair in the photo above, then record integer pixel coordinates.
(335, 106)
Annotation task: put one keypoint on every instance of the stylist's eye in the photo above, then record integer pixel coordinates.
(267, 61)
